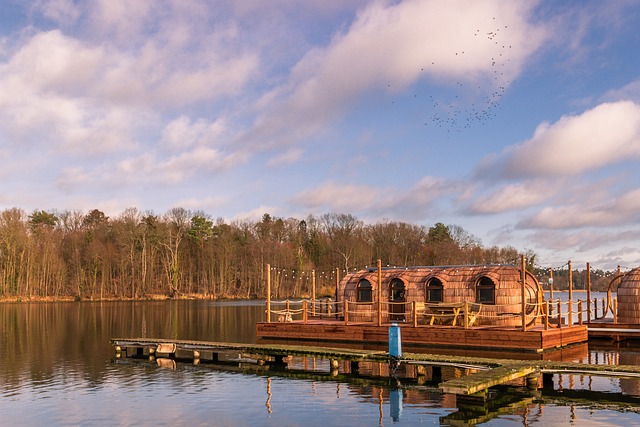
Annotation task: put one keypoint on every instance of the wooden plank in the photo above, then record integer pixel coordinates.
(485, 379)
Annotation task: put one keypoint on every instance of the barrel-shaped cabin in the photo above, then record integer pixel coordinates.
(495, 292)
(629, 297)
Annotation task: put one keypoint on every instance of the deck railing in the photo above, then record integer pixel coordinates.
(552, 313)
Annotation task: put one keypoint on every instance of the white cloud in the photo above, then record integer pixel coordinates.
(513, 197)
(334, 196)
(207, 204)
(390, 46)
(286, 158)
(603, 136)
(60, 11)
(630, 92)
(183, 133)
(403, 204)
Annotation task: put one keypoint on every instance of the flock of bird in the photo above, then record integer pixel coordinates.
(463, 106)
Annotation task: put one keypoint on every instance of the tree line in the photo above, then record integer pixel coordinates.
(49, 254)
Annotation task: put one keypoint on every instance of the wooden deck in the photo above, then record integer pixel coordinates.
(534, 340)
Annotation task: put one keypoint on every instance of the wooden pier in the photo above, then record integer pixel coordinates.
(483, 373)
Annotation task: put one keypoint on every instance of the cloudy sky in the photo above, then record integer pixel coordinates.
(516, 120)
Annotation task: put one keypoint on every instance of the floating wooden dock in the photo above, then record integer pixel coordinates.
(615, 332)
(485, 372)
(536, 340)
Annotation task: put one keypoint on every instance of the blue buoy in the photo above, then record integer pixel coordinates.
(395, 343)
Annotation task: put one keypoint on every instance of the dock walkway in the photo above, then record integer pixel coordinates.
(487, 373)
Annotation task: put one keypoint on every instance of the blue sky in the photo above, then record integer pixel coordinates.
(516, 120)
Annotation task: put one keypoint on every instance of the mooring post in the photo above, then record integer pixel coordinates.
(305, 314)
(313, 292)
(570, 313)
(559, 314)
(570, 279)
(533, 381)
(580, 312)
(522, 302)
(345, 304)
(337, 286)
(415, 314)
(379, 292)
(588, 293)
(546, 315)
(268, 293)
(334, 365)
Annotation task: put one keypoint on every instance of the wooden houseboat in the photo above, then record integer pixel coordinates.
(629, 298)
(493, 294)
(474, 307)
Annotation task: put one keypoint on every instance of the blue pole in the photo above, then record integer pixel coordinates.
(395, 341)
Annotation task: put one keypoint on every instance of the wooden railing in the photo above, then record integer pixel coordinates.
(550, 313)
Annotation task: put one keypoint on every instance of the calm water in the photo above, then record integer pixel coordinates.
(57, 368)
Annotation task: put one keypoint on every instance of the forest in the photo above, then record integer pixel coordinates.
(136, 255)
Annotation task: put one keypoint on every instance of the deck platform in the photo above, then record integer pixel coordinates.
(534, 340)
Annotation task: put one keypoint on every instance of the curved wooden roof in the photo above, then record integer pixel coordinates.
(631, 279)
(505, 276)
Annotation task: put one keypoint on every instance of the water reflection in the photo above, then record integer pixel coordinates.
(57, 368)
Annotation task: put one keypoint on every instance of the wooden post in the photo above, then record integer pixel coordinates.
(580, 312)
(466, 314)
(551, 284)
(345, 306)
(570, 283)
(570, 313)
(379, 292)
(268, 293)
(523, 276)
(305, 314)
(588, 293)
(546, 315)
(615, 310)
(337, 285)
(559, 314)
(415, 314)
(313, 292)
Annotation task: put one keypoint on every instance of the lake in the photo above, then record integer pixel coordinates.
(57, 368)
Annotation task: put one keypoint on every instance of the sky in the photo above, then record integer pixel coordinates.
(518, 121)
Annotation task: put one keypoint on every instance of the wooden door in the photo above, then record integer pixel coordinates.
(397, 301)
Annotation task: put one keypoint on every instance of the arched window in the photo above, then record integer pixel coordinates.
(485, 291)
(434, 290)
(396, 290)
(365, 293)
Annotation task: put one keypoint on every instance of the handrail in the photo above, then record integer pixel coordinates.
(464, 313)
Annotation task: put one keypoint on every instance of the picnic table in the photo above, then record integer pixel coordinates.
(445, 313)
